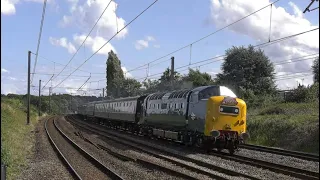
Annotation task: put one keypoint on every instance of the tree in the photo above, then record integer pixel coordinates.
(166, 76)
(114, 75)
(247, 69)
(315, 70)
(130, 87)
(151, 86)
(198, 78)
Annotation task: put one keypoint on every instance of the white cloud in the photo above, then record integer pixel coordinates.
(156, 46)
(12, 78)
(150, 38)
(141, 44)
(63, 42)
(125, 72)
(7, 7)
(257, 27)
(95, 43)
(85, 16)
(4, 70)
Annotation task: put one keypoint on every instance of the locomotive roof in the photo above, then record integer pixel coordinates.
(119, 99)
(177, 94)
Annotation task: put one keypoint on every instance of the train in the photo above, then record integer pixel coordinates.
(209, 117)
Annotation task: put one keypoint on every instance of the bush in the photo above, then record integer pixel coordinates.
(298, 132)
(304, 94)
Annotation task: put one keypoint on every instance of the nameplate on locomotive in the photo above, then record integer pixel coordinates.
(229, 101)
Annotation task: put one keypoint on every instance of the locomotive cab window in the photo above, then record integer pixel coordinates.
(209, 92)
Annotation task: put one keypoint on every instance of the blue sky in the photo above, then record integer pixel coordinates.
(168, 25)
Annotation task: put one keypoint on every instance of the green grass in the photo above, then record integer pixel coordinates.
(293, 126)
(17, 138)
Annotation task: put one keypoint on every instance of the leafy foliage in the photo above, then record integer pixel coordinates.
(167, 75)
(130, 87)
(247, 69)
(304, 94)
(198, 78)
(117, 85)
(115, 75)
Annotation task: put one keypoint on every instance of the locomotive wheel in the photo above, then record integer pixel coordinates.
(231, 148)
(219, 149)
(199, 142)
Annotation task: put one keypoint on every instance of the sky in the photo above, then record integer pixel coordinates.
(165, 27)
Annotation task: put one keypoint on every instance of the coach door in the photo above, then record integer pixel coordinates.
(140, 109)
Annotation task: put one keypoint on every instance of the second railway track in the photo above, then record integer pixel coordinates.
(296, 154)
(80, 163)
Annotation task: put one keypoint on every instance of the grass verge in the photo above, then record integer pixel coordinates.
(16, 137)
(290, 126)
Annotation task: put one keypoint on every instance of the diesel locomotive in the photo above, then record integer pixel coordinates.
(207, 116)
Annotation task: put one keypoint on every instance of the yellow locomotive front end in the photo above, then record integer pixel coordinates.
(225, 122)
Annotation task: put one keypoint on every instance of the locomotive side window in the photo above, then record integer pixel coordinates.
(164, 106)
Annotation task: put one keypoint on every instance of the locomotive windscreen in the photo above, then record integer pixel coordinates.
(215, 91)
(224, 91)
(208, 92)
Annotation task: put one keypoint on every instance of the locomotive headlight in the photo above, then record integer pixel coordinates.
(245, 136)
(215, 133)
(236, 110)
(221, 109)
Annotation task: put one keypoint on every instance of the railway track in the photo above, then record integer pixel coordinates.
(287, 170)
(153, 151)
(79, 162)
(140, 161)
(301, 155)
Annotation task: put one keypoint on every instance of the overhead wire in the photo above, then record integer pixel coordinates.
(39, 39)
(109, 41)
(262, 44)
(287, 61)
(190, 44)
(85, 39)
